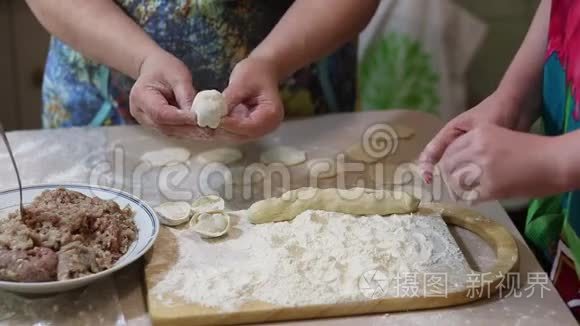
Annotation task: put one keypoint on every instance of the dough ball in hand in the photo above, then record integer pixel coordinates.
(210, 107)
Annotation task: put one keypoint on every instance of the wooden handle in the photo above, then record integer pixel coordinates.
(506, 249)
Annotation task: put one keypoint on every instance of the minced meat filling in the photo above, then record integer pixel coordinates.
(64, 235)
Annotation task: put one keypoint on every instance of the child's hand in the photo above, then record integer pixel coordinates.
(490, 111)
(492, 162)
(162, 95)
(254, 99)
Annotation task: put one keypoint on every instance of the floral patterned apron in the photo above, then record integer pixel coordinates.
(210, 37)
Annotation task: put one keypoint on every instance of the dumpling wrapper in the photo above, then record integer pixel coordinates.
(225, 155)
(357, 153)
(211, 203)
(403, 132)
(322, 168)
(173, 213)
(211, 224)
(286, 155)
(166, 156)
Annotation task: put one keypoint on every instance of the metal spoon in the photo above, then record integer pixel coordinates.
(3, 134)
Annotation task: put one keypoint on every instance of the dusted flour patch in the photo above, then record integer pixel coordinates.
(318, 258)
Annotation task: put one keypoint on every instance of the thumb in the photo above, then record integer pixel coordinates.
(235, 96)
(184, 94)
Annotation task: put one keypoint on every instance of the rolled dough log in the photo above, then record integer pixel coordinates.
(355, 201)
(283, 154)
(209, 106)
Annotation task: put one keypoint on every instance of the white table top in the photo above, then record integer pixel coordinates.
(73, 156)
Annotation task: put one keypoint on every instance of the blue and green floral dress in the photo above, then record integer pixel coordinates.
(210, 37)
(553, 224)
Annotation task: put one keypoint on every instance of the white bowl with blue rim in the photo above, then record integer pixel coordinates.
(144, 217)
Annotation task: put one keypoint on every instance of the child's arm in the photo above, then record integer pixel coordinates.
(567, 160)
(486, 154)
(522, 83)
(309, 30)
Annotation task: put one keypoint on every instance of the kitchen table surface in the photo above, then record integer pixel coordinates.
(110, 156)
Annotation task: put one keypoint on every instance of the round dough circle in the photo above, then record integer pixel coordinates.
(173, 213)
(404, 132)
(225, 155)
(209, 106)
(322, 168)
(166, 156)
(283, 154)
(206, 204)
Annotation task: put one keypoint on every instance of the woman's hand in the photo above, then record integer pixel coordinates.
(491, 162)
(254, 99)
(162, 96)
(494, 110)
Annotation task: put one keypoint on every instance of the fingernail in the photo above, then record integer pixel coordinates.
(427, 177)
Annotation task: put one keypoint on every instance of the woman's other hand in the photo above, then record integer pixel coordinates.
(254, 99)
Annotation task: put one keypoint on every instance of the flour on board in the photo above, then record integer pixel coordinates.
(318, 258)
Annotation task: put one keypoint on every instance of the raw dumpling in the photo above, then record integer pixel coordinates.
(223, 155)
(210, 107)
(211, 224)
(166, 156)
(283, 154)
(322, 168)
(173, 213)
(206, 204)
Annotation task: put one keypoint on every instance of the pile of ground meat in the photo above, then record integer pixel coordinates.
(63, 235)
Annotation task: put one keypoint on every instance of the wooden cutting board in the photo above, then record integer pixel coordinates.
(165, 253)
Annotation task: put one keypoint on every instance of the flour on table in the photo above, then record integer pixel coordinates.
(318, 258)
